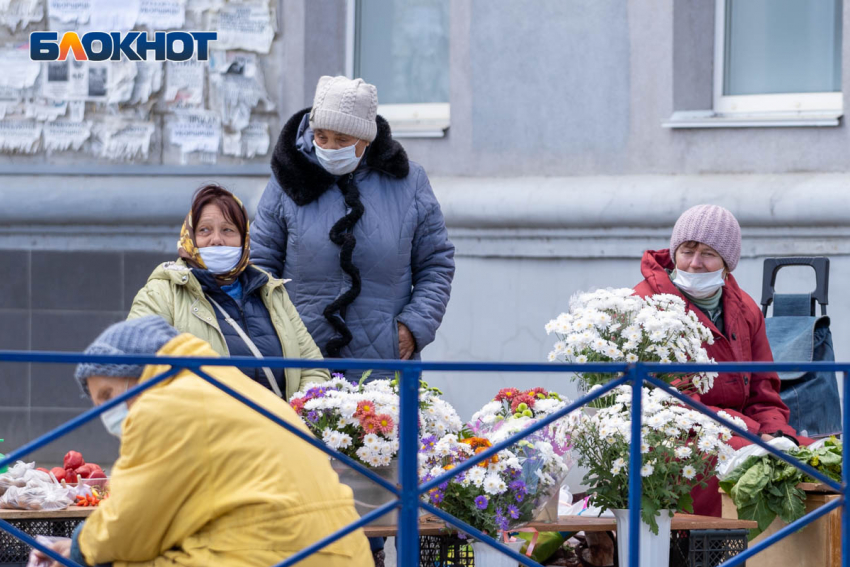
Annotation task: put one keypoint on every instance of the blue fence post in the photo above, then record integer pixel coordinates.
(635, 458)
(845, 467)
(408, 470)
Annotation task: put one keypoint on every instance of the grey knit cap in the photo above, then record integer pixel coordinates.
(344, 105)
(145, 335)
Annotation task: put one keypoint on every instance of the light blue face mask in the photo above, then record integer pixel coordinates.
(113, 419)
(338, 162)
(220, 259)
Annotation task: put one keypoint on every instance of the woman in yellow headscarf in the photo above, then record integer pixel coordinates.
(213, 292)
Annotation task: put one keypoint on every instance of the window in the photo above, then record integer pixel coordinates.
(402, 47)
(778, 56)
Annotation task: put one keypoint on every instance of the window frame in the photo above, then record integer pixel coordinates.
(763, 103)
(416, 120)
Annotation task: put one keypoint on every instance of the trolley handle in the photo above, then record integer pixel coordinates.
(772, 266)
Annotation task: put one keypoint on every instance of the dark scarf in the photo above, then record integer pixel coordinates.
(304, 181)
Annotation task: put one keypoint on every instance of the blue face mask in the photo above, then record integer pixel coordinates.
(220, 259)
(338, 162)
(113, 419)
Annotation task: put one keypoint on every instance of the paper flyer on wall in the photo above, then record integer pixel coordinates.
(247, 26)
(184, 83)
(236, 87)
(65, 12)
(107, 82)
(20, 136)
(113, 15)
(252, 141)
(76, 110)
(62, 135)
(162, 14)
(197, 6)
(20, 13)
(195, 131)
(18, 73)
(45, 110)
(148, 81)
(123, 140)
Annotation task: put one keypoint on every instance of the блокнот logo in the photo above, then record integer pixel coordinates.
(135, 45)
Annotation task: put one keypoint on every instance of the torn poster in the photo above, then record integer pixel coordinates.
(250, 142)
(14, 13)
(18, 73)
(69, 11)
(45, 110)
(126, 140)
(184, 83)
(247, 26)
(112, 15)
(62, 135)
(195, 131)
(20, 136)
(162, 15)
(236, 87)
(76, 110)
(108, 82)
(148, 81)
(197, 6)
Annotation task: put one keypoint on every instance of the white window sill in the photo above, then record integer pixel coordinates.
(429, 120)
(712, 119)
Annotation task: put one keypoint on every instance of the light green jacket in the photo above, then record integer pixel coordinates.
(173, 293)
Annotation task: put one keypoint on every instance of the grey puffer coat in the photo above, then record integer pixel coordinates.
(364, 251)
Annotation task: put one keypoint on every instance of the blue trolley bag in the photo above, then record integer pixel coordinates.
(796, 334)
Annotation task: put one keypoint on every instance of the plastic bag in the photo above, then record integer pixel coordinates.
(38, 496)
(16, 476)
(744, 453)
(48, 541)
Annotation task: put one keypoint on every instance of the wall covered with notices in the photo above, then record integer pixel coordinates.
(84, 113)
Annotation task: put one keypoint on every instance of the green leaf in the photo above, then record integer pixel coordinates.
(363, 378)
(686, 503)
(739, 472)
(758, 511)
(792, 503)
(751, 483)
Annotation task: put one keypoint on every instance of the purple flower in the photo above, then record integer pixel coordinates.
(519, 489)
(312, 416)
(481, 502)
(436, 496)
(428, 443)
(501, 520)
(513, 511)
(316, 392)
(339, 375)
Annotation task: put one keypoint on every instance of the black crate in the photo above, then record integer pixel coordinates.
(445, 551)
(15, 552)
(706, 548)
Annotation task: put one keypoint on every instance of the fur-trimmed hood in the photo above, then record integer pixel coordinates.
(304, 180)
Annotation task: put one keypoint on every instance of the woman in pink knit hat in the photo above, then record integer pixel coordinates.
(704, 251)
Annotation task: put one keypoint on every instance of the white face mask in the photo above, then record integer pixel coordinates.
(113, 419)
(338, 162)
(699, 286)
(220, 259)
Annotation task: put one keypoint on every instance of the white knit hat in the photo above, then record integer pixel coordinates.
(347, 106)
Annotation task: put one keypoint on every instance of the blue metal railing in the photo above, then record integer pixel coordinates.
(410, 493)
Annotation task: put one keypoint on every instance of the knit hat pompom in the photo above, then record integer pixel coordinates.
(713, 226)
(143, 336)
(347, 106)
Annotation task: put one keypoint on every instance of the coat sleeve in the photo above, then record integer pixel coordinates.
(269, 231)
(307, 345)
(161, 468)
(433, 268)
(155, 298)
(764, 404)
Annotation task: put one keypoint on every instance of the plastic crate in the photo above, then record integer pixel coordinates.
(706, 548)
(15, 552)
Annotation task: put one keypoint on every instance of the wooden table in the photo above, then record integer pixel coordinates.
(72, 512)
(430, 525)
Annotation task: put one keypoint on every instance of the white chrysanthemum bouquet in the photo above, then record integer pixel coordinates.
(614, 325)
(361, 420)
(680, 449)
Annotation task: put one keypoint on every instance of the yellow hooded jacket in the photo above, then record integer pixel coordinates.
(203, 480)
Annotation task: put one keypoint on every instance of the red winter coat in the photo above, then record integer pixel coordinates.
(754, 397)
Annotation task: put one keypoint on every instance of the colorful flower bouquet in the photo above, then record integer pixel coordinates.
(511, 487)
(361, 420)
(679, 448)
(614, 325)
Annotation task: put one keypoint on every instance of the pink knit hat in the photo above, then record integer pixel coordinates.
(711, 225)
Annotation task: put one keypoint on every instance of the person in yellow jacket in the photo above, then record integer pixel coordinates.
(213, 292)
(203, 480)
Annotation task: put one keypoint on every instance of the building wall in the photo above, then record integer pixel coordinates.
(554, 177)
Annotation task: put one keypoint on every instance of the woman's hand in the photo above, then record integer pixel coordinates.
(767, 437)
(406, 342)
(62, 547)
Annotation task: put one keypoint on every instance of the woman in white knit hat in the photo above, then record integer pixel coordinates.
(356, 227)
(704, 251)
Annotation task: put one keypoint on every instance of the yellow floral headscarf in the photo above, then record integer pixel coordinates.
(187, 247)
